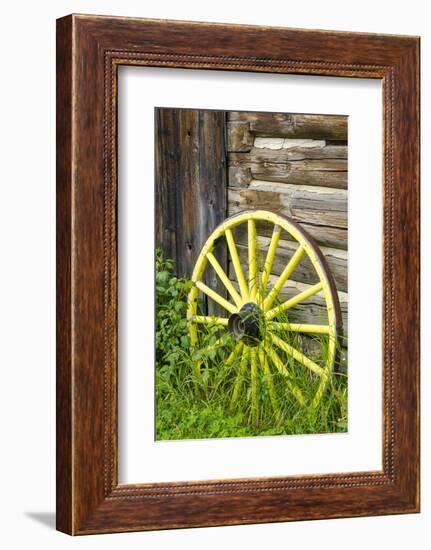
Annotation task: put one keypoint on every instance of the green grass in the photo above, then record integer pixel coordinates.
(198, 406)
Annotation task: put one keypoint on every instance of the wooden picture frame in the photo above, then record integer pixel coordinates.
(89, 51)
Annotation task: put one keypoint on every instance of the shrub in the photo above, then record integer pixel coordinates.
(171, 310)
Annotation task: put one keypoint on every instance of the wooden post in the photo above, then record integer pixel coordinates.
(190, 179)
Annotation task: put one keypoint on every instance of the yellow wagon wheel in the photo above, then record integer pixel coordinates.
(262, 340)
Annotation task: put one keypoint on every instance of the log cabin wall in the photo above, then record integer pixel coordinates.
(211, 164)
(294, 165)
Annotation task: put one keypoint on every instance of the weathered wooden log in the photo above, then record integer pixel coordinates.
(315, 205)
(328, 153)
(284, 174)
(332, 219)
(287, 143)
(332, 127)
(304, 272)
(330, 237)
(239, 137)
(244, 173)
(239, 176)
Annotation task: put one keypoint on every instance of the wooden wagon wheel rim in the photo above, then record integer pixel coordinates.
(250, 292)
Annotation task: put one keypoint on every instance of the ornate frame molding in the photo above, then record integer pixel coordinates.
(90, 49)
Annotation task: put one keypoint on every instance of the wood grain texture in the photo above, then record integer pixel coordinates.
(64, 449)
(331, 173)
(308, 204)
(190, 181)
(294, 125)
(190, 188)
(89, 51)
(239, 137)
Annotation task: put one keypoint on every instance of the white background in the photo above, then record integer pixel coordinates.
(141, 458)
(27, 311)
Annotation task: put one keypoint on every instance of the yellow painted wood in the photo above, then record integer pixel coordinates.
(252, 260)
(270, 383)
(216, 297)
(287, 272)
(224, 279)
(307, 328)
(298, 356)
(237, 265)
(191, 310)
(293, 301)
(280, 366)
(254, 387)
(235, 352)
(240, 378)
(270, 256)
(207, 320)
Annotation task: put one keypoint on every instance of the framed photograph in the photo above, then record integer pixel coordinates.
(249, 326)
(237, 274)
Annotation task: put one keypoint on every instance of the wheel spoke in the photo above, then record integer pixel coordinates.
(298, 356)
(216, 297)
(236, 350)
(287, 272)
(239, 378)
(206, 320)
(237, 265)
(252, 261)
(293, 301)
(270, 256)
(281, 367)
(270, 384)
(300, 327)
(224, 279)
(254, 387)
(318, 395)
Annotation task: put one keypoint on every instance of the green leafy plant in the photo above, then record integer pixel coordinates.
(171, 308)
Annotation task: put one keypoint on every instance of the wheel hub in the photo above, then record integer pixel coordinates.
(248, 324)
